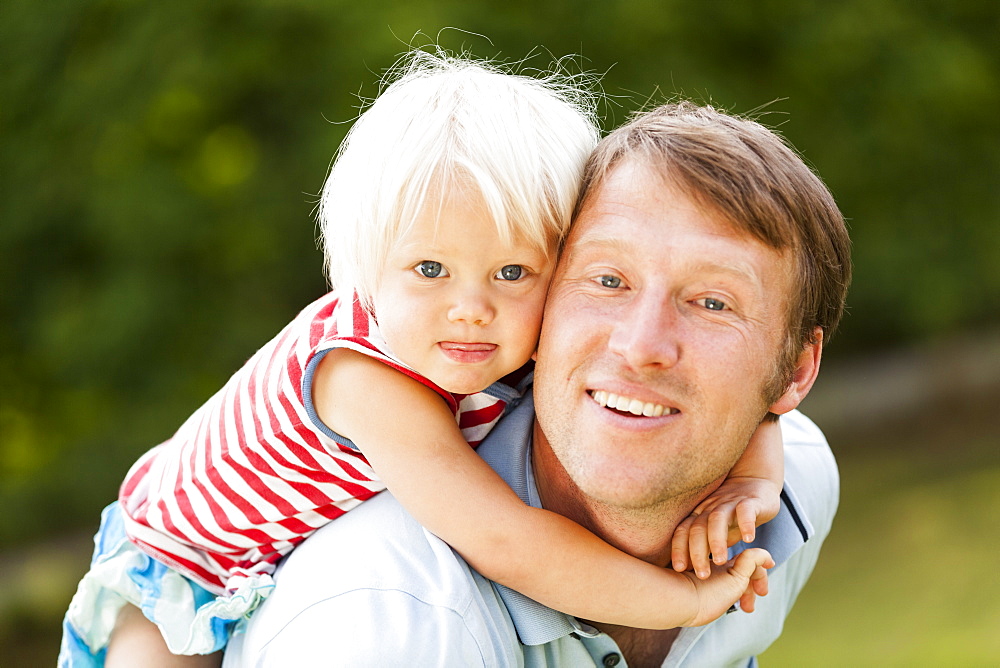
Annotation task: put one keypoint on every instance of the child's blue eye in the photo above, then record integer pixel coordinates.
(430, 269)
(511, 272)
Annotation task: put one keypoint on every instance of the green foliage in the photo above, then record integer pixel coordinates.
(159, 164)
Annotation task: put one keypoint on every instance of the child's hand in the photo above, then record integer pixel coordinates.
(731, 514)
(745, 578)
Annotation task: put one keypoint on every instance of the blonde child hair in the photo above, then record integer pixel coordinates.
(434, 126)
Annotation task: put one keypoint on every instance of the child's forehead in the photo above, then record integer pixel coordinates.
(456, 224)
(463, 208)
(454, 186)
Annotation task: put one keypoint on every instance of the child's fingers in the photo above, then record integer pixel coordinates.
(747, 563)
(746, 517)
(698, 548)
(740, 579)
(759, 581)
(752, 564)
(679, 545)
(757, 587)
(718, 532)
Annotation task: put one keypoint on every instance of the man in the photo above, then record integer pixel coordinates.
(706, 267)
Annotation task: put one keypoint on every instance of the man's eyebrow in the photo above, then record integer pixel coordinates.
(741, 270)
(597, 243)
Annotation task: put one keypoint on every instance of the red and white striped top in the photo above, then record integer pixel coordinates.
(253, 472)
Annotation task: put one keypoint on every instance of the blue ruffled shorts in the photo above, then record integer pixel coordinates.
(192, 619)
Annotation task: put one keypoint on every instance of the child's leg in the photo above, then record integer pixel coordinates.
(137, 641)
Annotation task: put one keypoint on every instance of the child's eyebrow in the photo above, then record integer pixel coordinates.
(422, 247)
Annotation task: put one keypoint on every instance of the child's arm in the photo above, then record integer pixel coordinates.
(748, 497)
(410, 438)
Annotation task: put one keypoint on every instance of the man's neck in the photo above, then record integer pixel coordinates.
(642, 648)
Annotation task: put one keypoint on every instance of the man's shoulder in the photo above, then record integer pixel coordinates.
(811, 475)
(374, 581)
(798, 429)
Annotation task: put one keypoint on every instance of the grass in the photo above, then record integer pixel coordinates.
(907, 575)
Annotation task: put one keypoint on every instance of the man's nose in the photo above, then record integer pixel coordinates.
(471, 305)
(647, 332)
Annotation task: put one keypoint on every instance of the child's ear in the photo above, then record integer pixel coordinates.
(803, 377)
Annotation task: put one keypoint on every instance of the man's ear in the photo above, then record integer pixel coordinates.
(803, 377)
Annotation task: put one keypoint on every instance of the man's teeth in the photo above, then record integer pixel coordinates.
(633, 406)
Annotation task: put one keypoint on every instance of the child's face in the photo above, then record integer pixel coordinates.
(455, 303)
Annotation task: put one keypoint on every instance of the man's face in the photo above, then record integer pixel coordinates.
(662, 326)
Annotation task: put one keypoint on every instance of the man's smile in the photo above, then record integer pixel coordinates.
(626, 404)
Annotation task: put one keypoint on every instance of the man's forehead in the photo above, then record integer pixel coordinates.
(634, 180)
(632, 192)
(636, 211)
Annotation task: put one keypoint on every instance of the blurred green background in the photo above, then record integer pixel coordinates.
(159, 164)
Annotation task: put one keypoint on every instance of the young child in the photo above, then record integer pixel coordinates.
(441, 218)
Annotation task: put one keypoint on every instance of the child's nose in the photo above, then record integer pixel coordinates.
(473, 307)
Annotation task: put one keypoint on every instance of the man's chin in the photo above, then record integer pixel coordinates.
(632, 494)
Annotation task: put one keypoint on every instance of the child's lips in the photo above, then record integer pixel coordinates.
(467, 353)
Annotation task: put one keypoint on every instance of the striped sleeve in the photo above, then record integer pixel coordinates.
(249, 475)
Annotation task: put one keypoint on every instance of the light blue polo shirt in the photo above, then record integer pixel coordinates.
(374, 588)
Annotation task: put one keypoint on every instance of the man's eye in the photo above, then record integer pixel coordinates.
(511, 272)
(431, 269)
(713, 304)
(610, 281)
